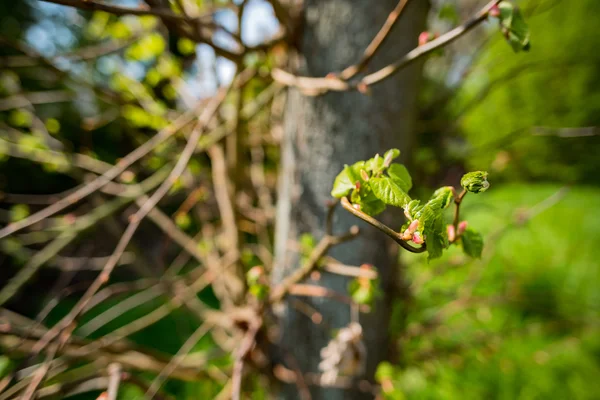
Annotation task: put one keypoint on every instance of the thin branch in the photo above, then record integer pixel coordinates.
(321, 291)
(66, 237)
(93, 5)
(347, 270)
(114, 378)
(376, 43)
(136, 219)
(107, 177)
(246, 346)
(397, 237)
(318, 252)
(177, 359)
(317, 86)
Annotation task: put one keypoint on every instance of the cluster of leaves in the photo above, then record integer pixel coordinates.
(373, 184)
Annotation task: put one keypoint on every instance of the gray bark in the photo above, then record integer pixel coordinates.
(324, 133)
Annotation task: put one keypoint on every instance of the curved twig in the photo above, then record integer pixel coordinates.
(382, 227)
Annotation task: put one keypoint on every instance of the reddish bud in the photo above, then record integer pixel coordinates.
(423, 38)
(462, 227)
(357, 185)
(407, 235)
(417, 238)
(495, 11)
(451, 233)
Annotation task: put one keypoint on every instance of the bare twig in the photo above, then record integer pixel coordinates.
(177, 359)
(324, 245)
(136, 219)
(317, 86)
(114, 378)
(376, 43)
(245, 347)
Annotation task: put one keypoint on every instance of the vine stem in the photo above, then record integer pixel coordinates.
(457, 202)
(382, 227)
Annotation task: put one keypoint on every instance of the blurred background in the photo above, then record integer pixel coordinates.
(81, 89)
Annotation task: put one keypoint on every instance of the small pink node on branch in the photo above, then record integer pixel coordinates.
(451, 233)
(495, 11)
(462, 227)
(357, 185)
(426, 37)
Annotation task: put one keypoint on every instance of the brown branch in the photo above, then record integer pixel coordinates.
(376, 43)
(136, 219)
(321, 291)
(177, 359)
(316, 86)
(318, 252)
(94, 5)
(107, 177)
(114, 374)
(397, 237)
(246, 346)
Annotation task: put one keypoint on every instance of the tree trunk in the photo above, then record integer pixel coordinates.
(322, 134)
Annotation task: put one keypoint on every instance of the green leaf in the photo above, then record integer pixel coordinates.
(442, 197)
(369, 203)
(400, 175)
(435, 235)
(345, 182)
(472, 243)
(389, 192)
(475, 182)
(514, 27)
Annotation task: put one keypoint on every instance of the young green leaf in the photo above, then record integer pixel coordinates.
(472, 243)
(346, 180)
(368, 202)
(388, 191)
(435, 236)
(442, 197)
(400, 175)
(475, 182)
(513, 26)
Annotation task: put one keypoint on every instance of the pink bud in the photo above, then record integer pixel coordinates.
(462, 227)
(357, 185)
(407, 235)
(495, 11)
(413, 226)
(451, 233)
(417, 239)
(423, 38)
